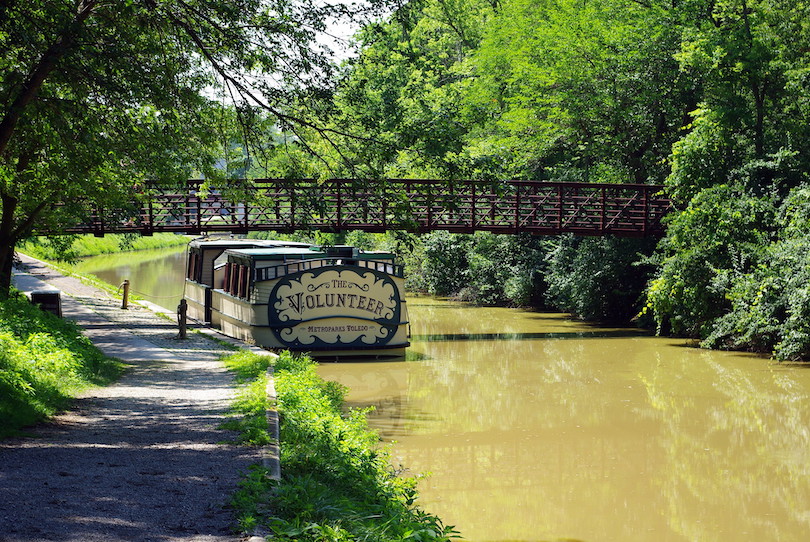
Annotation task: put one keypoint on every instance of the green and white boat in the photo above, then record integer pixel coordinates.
(330, 301)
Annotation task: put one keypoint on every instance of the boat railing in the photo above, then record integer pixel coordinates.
(278, 271)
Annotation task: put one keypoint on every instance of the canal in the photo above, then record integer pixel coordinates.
(536, 428)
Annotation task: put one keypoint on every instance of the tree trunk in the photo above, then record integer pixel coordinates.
(6, 264)
(8, 242)
(12, 230)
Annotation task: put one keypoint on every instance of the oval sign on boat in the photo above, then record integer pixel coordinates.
(336, 306)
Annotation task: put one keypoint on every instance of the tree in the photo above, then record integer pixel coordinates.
(97, 96)
(406, 89)
(751, 57)
(732, 265)
(582, 91)
(598, 278)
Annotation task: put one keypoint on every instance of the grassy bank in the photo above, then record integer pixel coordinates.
(71, 247)
(337, 485)
(44, 362)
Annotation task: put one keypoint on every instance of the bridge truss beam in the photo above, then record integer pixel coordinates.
(539, 208)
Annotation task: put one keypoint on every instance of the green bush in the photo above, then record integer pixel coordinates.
(506, 269)
(598, 279)
(337, 484)
(445, 267)
(720, 236)
(482, 268)
(770, 302)
(44, 362)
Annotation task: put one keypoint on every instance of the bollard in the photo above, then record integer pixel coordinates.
(125, 298)
(182, 308)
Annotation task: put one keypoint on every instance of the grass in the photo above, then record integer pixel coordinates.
(44, 362)
(70, 248)
(251, 401)
(337, 484)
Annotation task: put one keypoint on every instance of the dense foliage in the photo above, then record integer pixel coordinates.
(44, 361)
(711, 99)
(482, 268)
(734, 272)
(337, 484)
(598, 278)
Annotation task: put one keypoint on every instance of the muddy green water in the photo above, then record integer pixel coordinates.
(155, 275)
(536, 428)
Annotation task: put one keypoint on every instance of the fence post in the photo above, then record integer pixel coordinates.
(182, 310)
(125, 297)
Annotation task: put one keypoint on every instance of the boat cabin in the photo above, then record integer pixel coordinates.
(334, 301)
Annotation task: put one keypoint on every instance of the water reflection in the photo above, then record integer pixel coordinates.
(614, 437)
(436, 337)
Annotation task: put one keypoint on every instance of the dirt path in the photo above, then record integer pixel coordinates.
(142, 460)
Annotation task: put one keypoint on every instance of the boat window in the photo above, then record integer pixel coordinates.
(244, 276)
(237, 280)
(233, 287)
(221, 259)
(193, 266)
(226, 281)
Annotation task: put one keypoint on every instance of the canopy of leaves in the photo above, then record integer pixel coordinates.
(97, 96)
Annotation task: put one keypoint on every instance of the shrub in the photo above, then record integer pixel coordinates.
(598, 279)
(770, 302)
(445, 268)
(44, 362)
(717, 238)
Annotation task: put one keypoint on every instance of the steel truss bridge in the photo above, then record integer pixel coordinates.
(511, 207)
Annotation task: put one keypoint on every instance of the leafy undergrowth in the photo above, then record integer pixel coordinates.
(44, 362)
(337, 485)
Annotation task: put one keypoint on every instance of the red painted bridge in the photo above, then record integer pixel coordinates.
(540, 208)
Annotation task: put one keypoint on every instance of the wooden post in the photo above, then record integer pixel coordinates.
(182, 310)
(125, 297)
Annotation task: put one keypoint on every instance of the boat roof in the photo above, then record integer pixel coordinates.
(278, 253)
(302, 253)
(224, 243)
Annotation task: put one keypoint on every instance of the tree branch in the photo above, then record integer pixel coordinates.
(247, 93)
(24, 227)
(41, 71)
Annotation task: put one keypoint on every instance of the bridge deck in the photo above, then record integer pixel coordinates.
(628, 210)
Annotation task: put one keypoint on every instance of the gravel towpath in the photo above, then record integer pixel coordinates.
(142, 460)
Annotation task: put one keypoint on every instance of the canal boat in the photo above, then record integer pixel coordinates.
(329, 301)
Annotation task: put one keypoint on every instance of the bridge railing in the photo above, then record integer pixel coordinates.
(418, 205)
